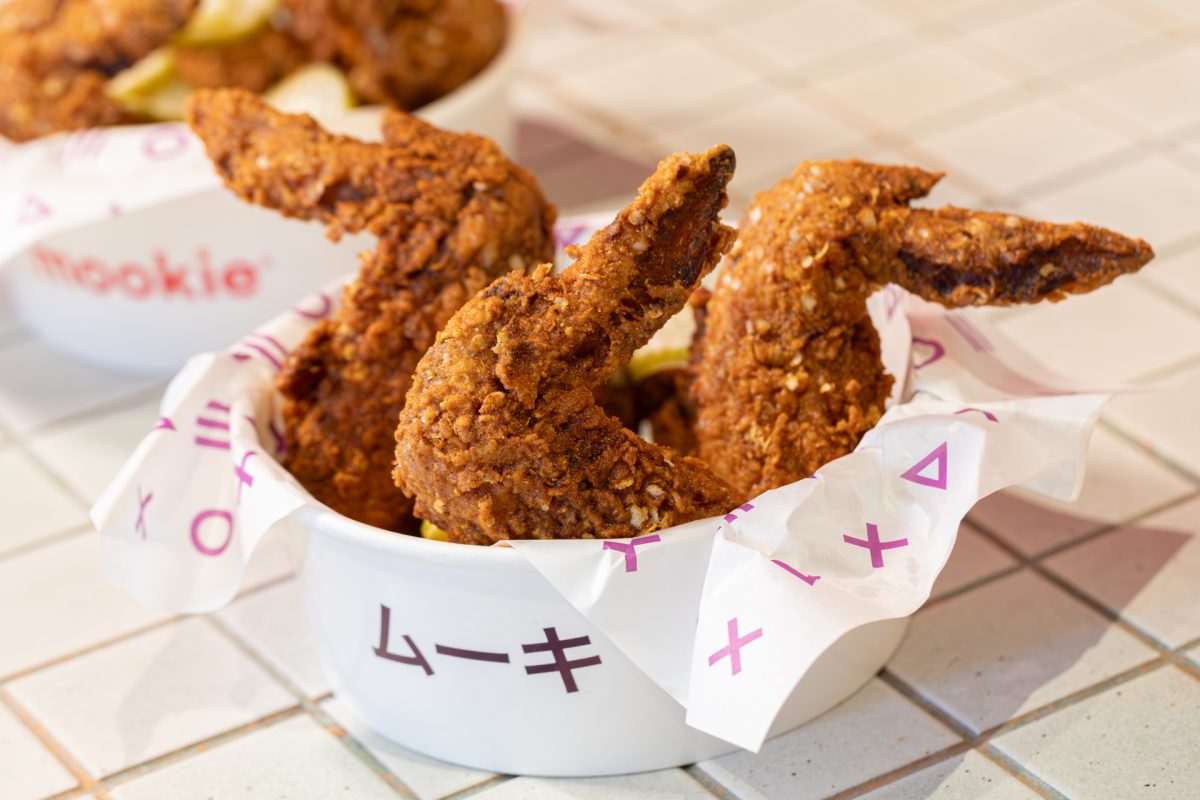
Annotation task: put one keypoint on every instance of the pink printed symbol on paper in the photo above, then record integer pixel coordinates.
(114, 210)
(734, 649)
(210, 424)
(139, 527)
(561, 664)
(197, 524)
(630, 549)
(565, 235)
(163, 424)
(975, 337)
(939, 457)
(873, 544)
(935, 346)
(730, 517)
(809, 579)
(244, 478)
(325, 305)
(891, 300)
(990, 416)
(164, 142)
(263, 347)
(33, 209)
(84, 145)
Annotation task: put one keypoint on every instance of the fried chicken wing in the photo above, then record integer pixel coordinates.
(451, 213)
(502, 438)
(56, 55)
(401, 52)
(788, 375)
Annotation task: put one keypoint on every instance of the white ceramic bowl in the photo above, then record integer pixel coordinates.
(143, 291)
(451, 680)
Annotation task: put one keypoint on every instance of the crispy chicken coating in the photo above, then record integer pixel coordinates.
(255, 63)
(451, 213)
(56, 55)
(502, 438)
(789, 375)
(401, 52)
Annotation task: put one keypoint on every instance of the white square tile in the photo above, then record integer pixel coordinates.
(1138, 739)
(34, 505)
(1146, 572)
(149, 695)
(1008, 647)
(53, 603)
(1152, 198)
(900, 91)
(1077, 337)
(875, 731)
(668, 784)
(785, 37)
(970, 776)
(1165, 418)
(1120, 484)
(974, 557)
(658, 80)
(1151, 94)
(1061, 34)
(1023, 144)
(1177, 275)
(428, 779)
(274, 623)
(40, 386)
(27, 769)
(770, 136)
(87, 454)
(295, 759)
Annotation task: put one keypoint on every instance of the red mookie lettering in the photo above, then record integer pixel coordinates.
(159, 276)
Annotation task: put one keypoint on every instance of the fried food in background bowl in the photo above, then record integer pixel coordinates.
(122, 249)
(72, 64)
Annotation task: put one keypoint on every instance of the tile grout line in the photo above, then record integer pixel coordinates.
(1023, 561)
(85, 781)
(122, 637)
(1022, 773)
(179, 755)
(973, 741)
(314, 711)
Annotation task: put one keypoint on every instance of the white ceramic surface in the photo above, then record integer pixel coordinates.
(141, 292)
(427, 694)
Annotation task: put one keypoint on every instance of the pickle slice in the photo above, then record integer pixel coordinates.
(316, 89)
(218, 21)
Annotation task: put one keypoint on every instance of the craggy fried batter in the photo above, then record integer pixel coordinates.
(56, 55)
(451, 213)
(789, 375)
(403, 52)
(256, 63)
(502, 438)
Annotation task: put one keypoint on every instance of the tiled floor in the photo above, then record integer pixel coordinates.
(1060, 655)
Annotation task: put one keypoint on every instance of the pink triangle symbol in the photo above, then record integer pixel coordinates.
(914, 473)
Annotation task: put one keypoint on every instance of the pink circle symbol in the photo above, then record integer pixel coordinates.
(165, 142)
(217, 514)
(325, 307)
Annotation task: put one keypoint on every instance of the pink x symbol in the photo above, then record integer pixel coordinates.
(629, 549)
(873, 544)
(244, 477)
(991, 417)
(140, 526)
(733, 649)
(809, 579)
